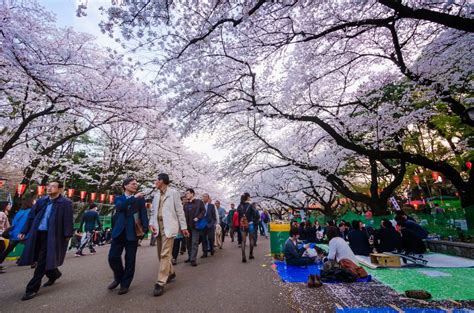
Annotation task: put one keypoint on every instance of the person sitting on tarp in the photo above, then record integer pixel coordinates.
(387, 239)
(343, 230)
(358, 239)
(338, 248)
(412, 236)
(413, 226)
(293, 254)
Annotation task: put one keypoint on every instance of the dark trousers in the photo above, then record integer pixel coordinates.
(245, 234)
(193, 244)
(123, 275)
(303, 261)
(224, 231)
(178, 242)
(262, 230)
(40, 270)
(255, 235)
(239, 235)
(208, 238)
(184, 244)
(11, 245)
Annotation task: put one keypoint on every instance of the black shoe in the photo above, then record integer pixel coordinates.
(194, 264)
(158, 291)
(173, 261)
(92, 251)
(51, 282)
(171, 277)
(123, 290)
(212, 252)
(203, 256)
(251, 257)
(113, 285)
(187, 261)
(28, 296)
(79, 254)
(244, 260)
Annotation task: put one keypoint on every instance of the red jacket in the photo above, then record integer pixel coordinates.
(235, 219)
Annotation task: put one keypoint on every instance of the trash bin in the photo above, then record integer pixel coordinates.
(279, 233)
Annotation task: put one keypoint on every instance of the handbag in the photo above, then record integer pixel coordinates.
(138, 226)
(201, 224)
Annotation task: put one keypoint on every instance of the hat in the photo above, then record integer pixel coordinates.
(164, 177)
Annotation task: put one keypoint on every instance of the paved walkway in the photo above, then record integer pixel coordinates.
(219, 284)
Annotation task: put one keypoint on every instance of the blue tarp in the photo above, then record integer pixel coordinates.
(299, 274)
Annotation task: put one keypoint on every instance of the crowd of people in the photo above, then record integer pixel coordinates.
(346, 240)
(176, 224)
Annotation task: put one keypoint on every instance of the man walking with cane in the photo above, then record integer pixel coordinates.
(167, 218)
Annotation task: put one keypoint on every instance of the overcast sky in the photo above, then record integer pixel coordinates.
(65, 11)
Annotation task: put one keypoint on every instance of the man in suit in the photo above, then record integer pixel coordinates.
(129, 210)
(48, 230)
(166, 220)
(209, 233)
(194, 210)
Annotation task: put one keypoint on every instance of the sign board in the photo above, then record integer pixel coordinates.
(395, 204)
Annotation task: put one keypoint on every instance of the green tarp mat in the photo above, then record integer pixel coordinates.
(443, 284)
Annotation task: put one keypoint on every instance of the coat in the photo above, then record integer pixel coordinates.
(192, 210)
(60, 229)
(126, 210)
(211, 215)
(173, 213)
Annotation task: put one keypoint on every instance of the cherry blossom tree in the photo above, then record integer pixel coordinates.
(362, 72)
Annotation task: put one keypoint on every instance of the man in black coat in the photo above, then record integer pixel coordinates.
(387, 239)
(48, 229)
(358, 240)
(209, 233)
(194, 210)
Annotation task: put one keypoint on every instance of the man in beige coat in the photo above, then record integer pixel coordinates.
(166, 220)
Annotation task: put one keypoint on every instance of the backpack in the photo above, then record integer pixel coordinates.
(337, 275)
(244, 222)
(353, 268)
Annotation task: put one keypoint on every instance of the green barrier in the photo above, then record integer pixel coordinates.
(470, 217)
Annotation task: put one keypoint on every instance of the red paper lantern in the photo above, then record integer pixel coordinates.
(416, 178)
(83, 195)
(102, 197)
(70, 193)
(435, 176)
(469, 165)
(93, 196)
(40, 190)
(20, 189)
(111, 199)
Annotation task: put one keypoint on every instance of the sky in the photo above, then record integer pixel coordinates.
(65, 11)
